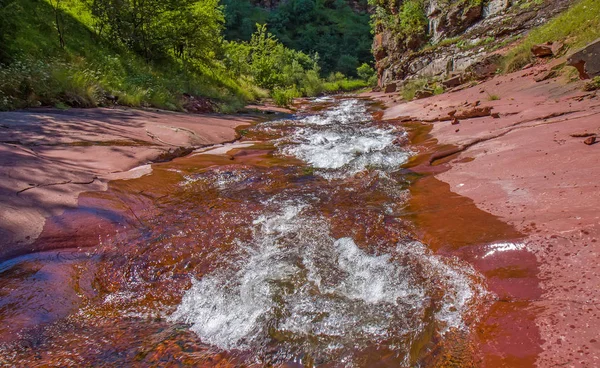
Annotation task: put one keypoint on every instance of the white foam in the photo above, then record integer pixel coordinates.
(328, 296)
(346, 112)
(503, 247)
(343, 141)
(220, 179)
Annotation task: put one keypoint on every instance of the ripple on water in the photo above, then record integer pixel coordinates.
(297, 291)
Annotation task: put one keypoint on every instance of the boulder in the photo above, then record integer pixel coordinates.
(493, 7)
(587, 60)
(485, 68)
(542, 50)
(453, 81)
(423, 93)
(476, 112)
(545, 75)
(391, 88)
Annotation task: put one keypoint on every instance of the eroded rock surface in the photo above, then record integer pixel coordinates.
(530, 167)
(49, 156)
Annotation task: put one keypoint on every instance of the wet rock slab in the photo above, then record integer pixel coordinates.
(49, 156)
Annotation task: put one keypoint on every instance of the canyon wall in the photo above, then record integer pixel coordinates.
(427, 38)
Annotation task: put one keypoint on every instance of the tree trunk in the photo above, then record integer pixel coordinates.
(58, 21)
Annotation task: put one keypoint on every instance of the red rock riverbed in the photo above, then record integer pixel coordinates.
(329, 234)
(529, 166)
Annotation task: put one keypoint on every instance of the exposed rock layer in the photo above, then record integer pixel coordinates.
(48, 157)
(532, 166)
(460, 35)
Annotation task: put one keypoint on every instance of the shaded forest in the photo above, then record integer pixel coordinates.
(86, 53)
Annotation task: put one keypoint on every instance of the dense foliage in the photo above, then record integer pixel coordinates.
(142, 53)
(286, 72)
(406, 19)
(155, 28)
(338, 32)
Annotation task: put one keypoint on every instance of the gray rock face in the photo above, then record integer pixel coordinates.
(494, 7)
(587, 60)
(473, 32)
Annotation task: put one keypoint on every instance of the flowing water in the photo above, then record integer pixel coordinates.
(294, 248)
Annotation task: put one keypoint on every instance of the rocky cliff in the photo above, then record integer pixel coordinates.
(426, 38)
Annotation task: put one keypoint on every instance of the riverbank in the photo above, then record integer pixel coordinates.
(516, 149)
(50, 156)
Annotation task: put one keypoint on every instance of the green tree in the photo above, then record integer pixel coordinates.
(347, 64)
(153, 28)
(328, 27)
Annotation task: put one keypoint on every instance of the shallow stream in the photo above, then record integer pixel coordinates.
(292, 247)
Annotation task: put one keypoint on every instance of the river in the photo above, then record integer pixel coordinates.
(292, 247)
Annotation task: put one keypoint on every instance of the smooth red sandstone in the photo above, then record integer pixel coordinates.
(48, 157)
(527, 169)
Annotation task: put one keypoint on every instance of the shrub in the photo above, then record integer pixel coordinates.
(365, 72)
(285, 96)
(592, 85)
(411, 87)
(413, 20)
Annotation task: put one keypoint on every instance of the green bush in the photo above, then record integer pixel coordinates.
(413, 20)
(592, 85)
(285, 96)
(365, 72)
(411, 87)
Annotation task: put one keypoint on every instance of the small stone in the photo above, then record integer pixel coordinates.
(455, 121)
(582, 135)
(557, 47)
(542, 50)
(589, 141)
(475, 112)
(496, 115)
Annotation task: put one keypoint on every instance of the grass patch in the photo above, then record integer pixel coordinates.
(492, 97)
(285, 96)
(576, 27)
(592, 85)
(410, 88)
